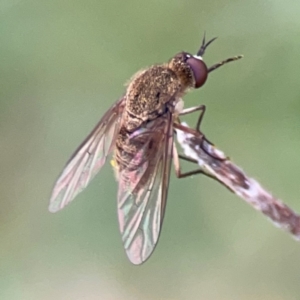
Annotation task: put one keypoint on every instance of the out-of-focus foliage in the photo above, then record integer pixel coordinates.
(63, 63)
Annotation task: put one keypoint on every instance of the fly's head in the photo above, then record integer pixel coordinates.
(190, 69)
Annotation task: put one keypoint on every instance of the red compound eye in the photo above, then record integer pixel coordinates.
(199, 70)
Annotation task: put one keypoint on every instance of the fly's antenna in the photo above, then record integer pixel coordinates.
(223, 62)
(202, 49)
(204, 45)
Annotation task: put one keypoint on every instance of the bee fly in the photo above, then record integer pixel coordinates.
(139, 131)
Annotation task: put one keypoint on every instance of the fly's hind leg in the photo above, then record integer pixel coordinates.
(177, 166)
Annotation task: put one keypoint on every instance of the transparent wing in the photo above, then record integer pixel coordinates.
(87, 159)
(143, 188)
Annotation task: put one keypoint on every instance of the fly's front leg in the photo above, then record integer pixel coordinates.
(201, 108)
(205, 144)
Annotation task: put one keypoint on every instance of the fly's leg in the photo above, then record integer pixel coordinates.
(188, 130)
(201, 108)
(177, 166)
(205, 144)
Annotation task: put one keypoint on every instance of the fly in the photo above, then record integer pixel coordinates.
(138, 130)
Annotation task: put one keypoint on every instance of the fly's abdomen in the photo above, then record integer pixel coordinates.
(132, 156)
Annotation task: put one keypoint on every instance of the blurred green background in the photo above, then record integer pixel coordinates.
(63, 63)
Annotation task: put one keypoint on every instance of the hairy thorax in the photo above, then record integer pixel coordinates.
(149, 94)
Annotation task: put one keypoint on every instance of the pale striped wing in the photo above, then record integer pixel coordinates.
(88, 159)
(143, 191)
